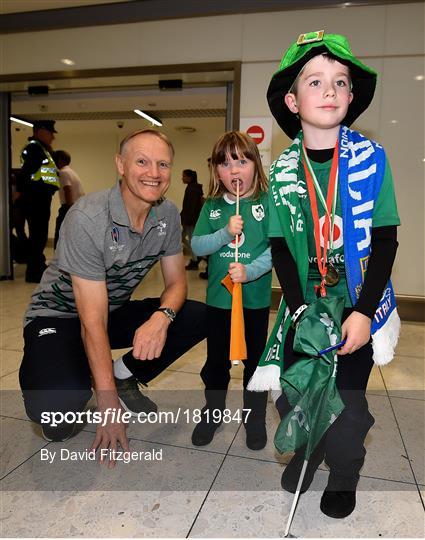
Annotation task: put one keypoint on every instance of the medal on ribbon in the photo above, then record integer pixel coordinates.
(328, 272)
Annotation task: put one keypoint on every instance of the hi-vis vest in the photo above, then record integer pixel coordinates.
(48, 172)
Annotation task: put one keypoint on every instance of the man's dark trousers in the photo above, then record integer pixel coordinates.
(55, 374)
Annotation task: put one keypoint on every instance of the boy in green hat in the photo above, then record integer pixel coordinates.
(333, 230)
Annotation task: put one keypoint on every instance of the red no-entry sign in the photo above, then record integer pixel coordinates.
(256, 133)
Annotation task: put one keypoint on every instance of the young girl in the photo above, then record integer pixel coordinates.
(235, 162)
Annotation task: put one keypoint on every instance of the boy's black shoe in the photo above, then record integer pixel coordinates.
(292, 471)
(131, 398)
(338, 504)
(204, 432)
(193, 265)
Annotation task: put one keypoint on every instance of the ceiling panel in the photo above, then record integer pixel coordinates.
(130, 115)
(90, 13)
(206, 78)
(115, 104)
(18, 6)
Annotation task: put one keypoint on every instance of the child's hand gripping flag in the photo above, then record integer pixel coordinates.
(237, 327)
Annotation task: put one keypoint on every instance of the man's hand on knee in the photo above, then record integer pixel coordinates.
(149, 339)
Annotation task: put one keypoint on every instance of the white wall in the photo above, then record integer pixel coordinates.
(388, 37)
(93, 145)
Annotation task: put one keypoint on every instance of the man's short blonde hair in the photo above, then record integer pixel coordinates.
(153, 132)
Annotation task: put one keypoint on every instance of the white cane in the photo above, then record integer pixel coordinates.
(295, 501)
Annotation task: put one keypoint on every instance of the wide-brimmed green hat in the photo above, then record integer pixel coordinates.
(299, 53)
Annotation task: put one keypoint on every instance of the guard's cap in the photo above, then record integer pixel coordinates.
(45, 124)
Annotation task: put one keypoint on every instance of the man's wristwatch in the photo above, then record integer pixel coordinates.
(168, 312)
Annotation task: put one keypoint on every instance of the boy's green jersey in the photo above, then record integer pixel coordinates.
(384, 213)
(253, 242)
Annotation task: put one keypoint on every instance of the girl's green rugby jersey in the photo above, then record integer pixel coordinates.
(253, 242)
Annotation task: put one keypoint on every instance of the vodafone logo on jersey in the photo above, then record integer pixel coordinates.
(338, 239)
(241, 241)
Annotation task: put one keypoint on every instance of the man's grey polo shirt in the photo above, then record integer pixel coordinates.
(97, 243)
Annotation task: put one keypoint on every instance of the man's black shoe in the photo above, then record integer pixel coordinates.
(64, 431)
(338, 504)
(203, 275)
(132, 399)
(59, 433)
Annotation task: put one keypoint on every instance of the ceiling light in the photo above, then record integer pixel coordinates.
(393, 121)
(19, 121)
(185, 129)
(68, 61)
(419, 77)
(154, 121)
(346, 4)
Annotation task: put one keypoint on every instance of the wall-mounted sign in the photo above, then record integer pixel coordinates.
(260, 129)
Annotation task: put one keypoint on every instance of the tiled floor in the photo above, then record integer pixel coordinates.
(222, 490)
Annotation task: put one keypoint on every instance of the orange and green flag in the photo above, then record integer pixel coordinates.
(237, 328)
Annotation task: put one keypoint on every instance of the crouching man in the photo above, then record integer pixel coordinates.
(82, 308)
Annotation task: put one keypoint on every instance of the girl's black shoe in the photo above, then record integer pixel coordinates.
(204, 432)
(256, 437)
(254, 419)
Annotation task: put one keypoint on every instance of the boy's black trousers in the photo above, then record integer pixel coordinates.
(342, 446)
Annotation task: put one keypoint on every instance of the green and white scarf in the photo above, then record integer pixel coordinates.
(284, 189)
(285, 192)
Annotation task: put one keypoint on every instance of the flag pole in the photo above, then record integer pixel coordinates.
(295, 501)
(236, 362)
(237, 213)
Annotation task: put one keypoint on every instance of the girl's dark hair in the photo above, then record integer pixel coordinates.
(237, 144)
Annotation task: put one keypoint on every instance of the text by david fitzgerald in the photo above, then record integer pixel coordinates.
(103, 454)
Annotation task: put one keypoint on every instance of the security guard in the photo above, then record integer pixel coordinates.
(37, 182)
